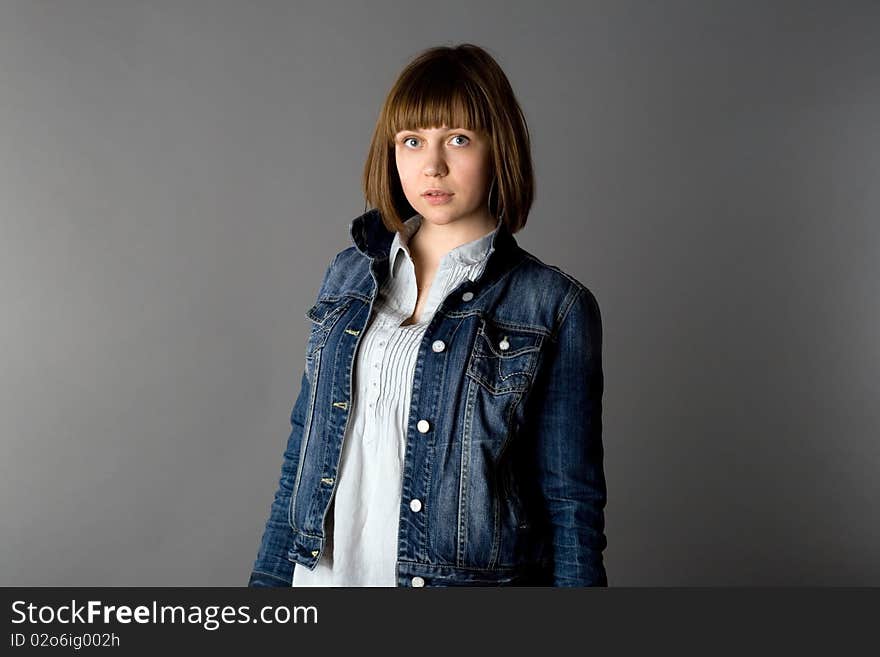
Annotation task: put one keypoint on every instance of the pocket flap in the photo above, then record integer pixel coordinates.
(496, 340)
(325, 309)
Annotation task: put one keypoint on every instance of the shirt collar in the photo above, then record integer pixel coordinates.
(469, 253)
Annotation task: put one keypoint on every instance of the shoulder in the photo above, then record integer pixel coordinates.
(553, 274)
(343, 271)
(348, 257)
(559, 288)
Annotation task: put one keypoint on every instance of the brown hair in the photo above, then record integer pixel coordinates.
(458, 87)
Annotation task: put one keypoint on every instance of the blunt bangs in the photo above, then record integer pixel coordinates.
(440, 97)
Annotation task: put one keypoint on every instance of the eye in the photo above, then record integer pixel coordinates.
(405, 141)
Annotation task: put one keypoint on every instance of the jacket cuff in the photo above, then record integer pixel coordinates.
(261, 579)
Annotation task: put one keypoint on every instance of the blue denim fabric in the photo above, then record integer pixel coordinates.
(510, 470)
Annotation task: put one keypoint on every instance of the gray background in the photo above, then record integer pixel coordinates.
(175, 177)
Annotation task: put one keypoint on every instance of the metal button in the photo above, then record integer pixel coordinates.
(415, 505)
(423, 426)
(467, 296)
(418, 581)
(438, 345)
(504, 345)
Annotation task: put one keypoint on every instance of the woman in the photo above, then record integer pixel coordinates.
(448, 426)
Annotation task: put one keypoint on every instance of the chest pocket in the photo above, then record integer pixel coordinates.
(322, 317)
(504, 359)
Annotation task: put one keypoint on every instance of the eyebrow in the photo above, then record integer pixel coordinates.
(442, 130)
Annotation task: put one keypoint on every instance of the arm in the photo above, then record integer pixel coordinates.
(272, 567)
(568, 436)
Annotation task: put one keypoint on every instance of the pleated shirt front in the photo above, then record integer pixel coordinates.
(362, 521)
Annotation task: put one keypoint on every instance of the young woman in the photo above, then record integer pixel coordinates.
(448, 426)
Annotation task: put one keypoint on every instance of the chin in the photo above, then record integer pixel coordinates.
(440, 218)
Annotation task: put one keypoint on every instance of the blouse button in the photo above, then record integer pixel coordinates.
(438, 345)
(423, 426)
(467, 296)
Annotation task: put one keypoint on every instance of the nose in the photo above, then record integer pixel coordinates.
(435, 164)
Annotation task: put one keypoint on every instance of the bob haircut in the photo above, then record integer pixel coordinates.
(455, 87)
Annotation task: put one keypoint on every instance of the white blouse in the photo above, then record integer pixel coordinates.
(362, 522)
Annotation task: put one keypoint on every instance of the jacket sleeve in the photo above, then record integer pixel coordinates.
(568, 441)
(272, 567)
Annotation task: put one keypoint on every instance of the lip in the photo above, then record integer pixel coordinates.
(437, 191)
(440, 199)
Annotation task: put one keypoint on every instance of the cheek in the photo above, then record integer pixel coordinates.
(476, 172)
(404, 164)
(403, 173)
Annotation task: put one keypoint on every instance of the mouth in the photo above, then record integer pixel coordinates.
(437, 197)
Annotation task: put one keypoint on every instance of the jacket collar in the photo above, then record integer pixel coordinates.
(372, 239)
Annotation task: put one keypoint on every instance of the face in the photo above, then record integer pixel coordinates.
(453, 160)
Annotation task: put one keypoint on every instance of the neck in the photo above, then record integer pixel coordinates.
(432, 241)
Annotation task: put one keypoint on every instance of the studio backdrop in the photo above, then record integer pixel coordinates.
(176, 176)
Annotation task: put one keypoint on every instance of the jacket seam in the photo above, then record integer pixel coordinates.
(497, 569)
(566, 275)
(272, 575)
(564, 312)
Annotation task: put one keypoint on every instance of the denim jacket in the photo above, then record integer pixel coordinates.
(503, 480)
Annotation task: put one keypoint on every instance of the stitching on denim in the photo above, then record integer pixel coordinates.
(461, 524)
(507, 354)
(541, 263)
(348, 415)
(428, 544)
(424, 546)
(501, 569)
(508, 421)
(516, 382)
(335, 315)
(491, 389)
(516, 266)
(515, 379)
(346, 294)
(564, 310)
(496, 525)
(330, 314)
(304, 442)
(307, 534)
(408, 460)
(272, 575)
(508, 438)
(515, 326)
(501, 323)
